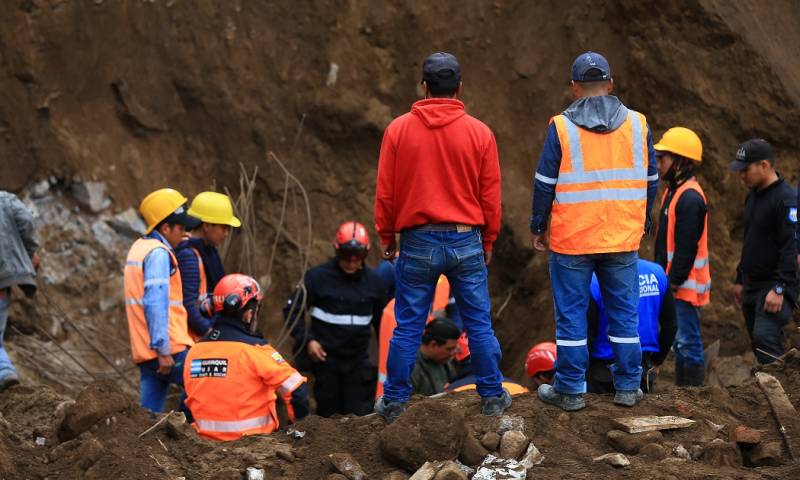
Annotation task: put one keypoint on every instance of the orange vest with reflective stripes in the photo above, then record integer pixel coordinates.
(441, 298)
(231, 388)
(202, 292)
(178, 329)
(697, 288)
(601, 189)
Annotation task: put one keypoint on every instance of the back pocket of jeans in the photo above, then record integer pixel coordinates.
(414, 268)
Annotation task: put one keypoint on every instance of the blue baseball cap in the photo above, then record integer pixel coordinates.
(591, 67)
(441, 70)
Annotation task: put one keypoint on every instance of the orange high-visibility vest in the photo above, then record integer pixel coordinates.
(697, 288)
(202, 292)
(441, 298)
(134, 303)
(231, 388)
(513, 388)
(601, 189)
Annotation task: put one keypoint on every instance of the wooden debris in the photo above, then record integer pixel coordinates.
(785, 413)
(651, 422)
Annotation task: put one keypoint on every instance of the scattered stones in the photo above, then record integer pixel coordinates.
(510, 422)
(472, 453)
(720, 453)
(254, 473)
(681, 452)
(494, 468)
(532, 457)
(40, 189)
(491, 441)
(631, 443)
(696, 451)
(95, 402)
(563, 417)
(91, 195)
(653, 451)
(450, 471)
(128, 223)
(426, 472)
(396, 475)
(177, 427)
(615, 459)
(347, 466)
(766, 454)
(746, 435)
(89, 452)
(335, 476)
(440, 427)
(684, 409)
(512, 444)
(40, 441)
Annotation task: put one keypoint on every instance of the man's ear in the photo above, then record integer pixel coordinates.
(459, 90)
(426, 89)
(610, 85)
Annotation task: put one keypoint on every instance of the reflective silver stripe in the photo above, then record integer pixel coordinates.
(575, 152)
(652, 178)
(338, 319)
(624, 339)
(669, 256)
(602, 175)
(233, 426)
(692, 285)
(132, 263)
(175, 303)
(602, 194)
(134, 301)
(202, 297)
(698, 262)
(638, 145)
(381, 377)
(156, 281)
(547, 180)
(571, 343)
(290, 384)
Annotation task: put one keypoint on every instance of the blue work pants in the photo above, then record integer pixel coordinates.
(154, 386)
(688, 343)
(6, 367)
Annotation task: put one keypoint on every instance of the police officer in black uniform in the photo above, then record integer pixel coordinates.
(345, 301)
(766, 284)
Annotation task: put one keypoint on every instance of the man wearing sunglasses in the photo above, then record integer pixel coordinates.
(345, 300)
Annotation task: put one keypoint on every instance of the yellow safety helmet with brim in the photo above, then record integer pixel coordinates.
(215, 208)
(164, 203)
(681, 141)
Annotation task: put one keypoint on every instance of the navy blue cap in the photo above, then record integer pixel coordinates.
(591, 67)
(441, 71)
(751, 151)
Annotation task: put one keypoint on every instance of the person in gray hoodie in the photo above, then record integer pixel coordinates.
(18, 265)
(596, 181)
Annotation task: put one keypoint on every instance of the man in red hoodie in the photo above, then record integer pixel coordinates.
(439, 188)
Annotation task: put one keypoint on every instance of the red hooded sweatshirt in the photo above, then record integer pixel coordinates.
(438, 165)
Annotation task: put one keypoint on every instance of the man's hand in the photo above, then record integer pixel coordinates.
(773, 303)
(736, 291)
(389, 250)
(165, 364)
(539, 242)
(487, 257)
(316, 352)
(36, 260)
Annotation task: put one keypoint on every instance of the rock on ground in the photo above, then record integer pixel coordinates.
(450, 471)
(766, 454)
(512, 444)
(426, 472)
(91, 195)
(96, 401)
(494, 468)
(472, 453)
(427, 431)
(746, 435)
(614, 459)
(396, 475)
(631, 443)
(721, 453)
(653, 451)
(491, 441)
(347, 466)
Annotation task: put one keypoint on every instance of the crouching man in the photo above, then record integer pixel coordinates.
(232, 376)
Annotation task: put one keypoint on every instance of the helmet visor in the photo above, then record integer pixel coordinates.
(352, 250)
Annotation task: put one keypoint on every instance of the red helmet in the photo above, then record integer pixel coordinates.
(462, 351)
(232, 294)
(352, 240)
(541, 358)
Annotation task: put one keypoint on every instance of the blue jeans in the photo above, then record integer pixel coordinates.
(6, 367)
(571, 278)
(153, 386)
(688, 343)
(424, 256)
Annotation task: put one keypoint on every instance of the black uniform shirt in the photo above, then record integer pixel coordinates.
(343, 309)
(690, 215)
(769, 251)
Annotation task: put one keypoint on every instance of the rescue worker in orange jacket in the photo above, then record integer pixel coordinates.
(540, 363)
(598, 177)
(154, 297)
(682, 246)
(198, 259)
(232, 375)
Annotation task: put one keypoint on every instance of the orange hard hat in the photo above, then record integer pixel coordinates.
(352, 240)
(235, 291)
(541, 358)
(462, 351)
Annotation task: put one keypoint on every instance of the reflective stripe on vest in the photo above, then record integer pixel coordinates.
(340, 319)
(202, 291)
(233, 426)
(290, 384)
(697, 287)
(601, 189)
(134, 303)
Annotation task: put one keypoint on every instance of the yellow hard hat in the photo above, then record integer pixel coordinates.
(681, 141)
(159, 205)
(213, 207)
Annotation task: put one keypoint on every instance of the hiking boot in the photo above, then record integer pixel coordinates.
(564, 401)
(391, 411)
(493, 406)
(9, 381)
(628, 398)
